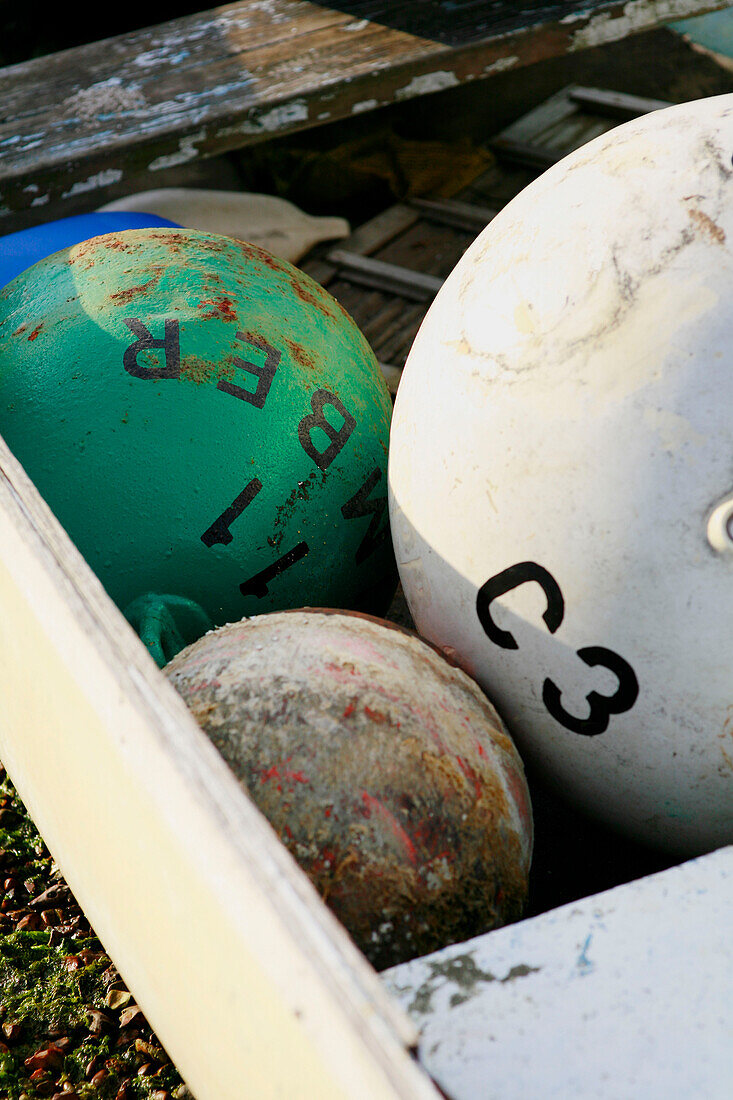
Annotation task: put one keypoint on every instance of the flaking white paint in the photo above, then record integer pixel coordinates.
(99, 179)
(186, 151)
(637, 16)
(501, 65)
(151, 58)
(277, 118)
(428, 82)
(642, 973)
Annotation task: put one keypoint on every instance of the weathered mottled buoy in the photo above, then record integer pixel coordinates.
(204, 419)
(384, 769)
(561, 473)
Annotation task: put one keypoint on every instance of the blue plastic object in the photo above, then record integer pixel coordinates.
(21, 250)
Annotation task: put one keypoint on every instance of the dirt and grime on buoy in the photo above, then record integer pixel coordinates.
(384, 769)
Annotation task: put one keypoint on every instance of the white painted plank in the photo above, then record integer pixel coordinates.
(250, 983)
(624, 995)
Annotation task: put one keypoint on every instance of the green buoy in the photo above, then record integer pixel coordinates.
(205, 421)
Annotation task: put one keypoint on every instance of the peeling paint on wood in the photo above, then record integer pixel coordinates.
(428, 82)
(628, 18)
(501, 65)
(101, 179)
(227, 77)
(186, 151)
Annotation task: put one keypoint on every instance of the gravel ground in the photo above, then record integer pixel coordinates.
(69, 1028)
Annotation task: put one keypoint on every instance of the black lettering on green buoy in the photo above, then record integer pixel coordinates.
(219, 531)
(264, 374)
(317, 421)
(257, 585)
(361, 505)
(170, 346)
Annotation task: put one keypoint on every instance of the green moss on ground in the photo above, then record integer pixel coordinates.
(69, 1027)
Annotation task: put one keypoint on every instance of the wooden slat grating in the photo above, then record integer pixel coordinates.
(406, 252)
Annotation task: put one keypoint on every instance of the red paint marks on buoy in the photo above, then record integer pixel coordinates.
(372, 805)
(324, 861)
(471, 775)
(375, 715)
(518, 787)
(339, 671)
(206, 685)
(430, 835)
(283, 774)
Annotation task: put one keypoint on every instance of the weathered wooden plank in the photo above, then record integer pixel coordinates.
(392, 376)
(400, 280)
(459, 215)
(430, 247)
(381, 229)
(573, 132)
(614, 104)
(87, 118)
(566, 121)
(399, 333)
(531, 156)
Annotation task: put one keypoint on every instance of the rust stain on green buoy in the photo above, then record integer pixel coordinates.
(204, 419)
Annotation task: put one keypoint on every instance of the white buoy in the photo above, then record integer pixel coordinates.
(561, 473)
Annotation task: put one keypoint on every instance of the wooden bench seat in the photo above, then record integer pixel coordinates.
(79, 121)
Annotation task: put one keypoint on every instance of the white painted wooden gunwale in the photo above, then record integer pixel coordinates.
(250, 983)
